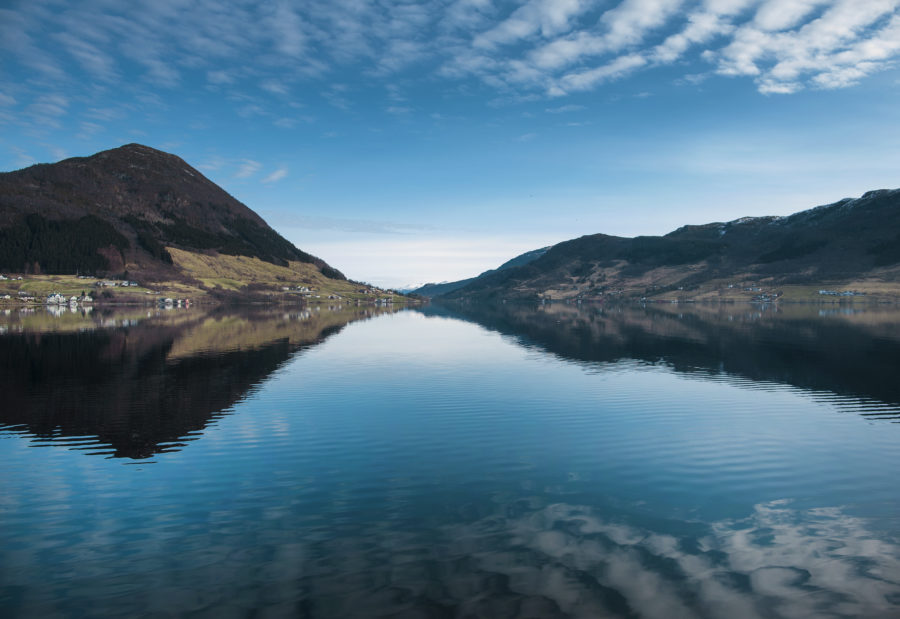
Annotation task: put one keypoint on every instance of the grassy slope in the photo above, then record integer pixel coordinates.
(205, 275)
(234, 273)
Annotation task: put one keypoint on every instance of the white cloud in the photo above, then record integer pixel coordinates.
(520, 50)
(275, 176)
(629, 22)
(96, 62)
(588, 79)
(848, 41)
(563, 109)
(781, 14)
(48, 109)
(547, 17)
(219, 77)
(88, 130)
(247, 168)
(274, 86)
(287, 30)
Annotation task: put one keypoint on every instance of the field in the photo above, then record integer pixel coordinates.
(207, 278)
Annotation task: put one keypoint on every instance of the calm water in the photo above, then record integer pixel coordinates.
(470, 462)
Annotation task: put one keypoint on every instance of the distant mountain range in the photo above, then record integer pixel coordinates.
(853, 240)
(119, 210)
(436, 290)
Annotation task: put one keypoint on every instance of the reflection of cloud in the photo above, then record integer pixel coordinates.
(566, 560)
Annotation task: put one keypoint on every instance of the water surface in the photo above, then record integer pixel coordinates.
(499, 461)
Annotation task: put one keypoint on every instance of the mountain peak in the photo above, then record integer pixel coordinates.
(146, 200)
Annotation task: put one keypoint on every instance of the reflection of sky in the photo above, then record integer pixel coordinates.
(406, 433)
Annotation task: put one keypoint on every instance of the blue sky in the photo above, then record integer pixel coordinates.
(406, 142)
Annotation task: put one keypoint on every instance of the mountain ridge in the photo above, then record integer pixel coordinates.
(119, 209)
(848, 240)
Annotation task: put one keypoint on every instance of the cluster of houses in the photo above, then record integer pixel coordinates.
(113, 283)
(305, 291)
(845, 293)
(54, 298)
(766, 297)
(308, 292)
(4, 278)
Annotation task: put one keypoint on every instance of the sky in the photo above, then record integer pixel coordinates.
(408, 142)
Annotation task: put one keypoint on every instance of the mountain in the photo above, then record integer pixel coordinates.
(436, 290)
(851, 240)
(120, 210)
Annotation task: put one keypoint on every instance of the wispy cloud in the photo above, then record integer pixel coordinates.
(247, 168)
(275, 176)
(564, 109)
(48, 109)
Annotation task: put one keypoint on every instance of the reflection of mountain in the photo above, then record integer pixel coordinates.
(143, 389)
(847, 355)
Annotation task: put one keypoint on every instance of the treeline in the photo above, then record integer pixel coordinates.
(147, 239)
(64, 247)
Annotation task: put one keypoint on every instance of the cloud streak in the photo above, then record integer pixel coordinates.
(275, 176)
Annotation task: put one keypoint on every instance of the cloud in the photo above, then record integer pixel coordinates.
(219, 77)
(547, 17)
(564, 109)
(274, 87)
(533, 48)
(48, 109)
(287, 29)
(247, 168)
(96, 62)
(6, 100)
(368, 226)
(849, 40)
(275, 176)
(87, 130)
(589, 79)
